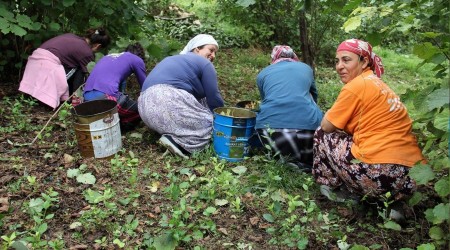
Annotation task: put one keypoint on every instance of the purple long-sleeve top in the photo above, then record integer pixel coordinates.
(112, 70)
(189, 72)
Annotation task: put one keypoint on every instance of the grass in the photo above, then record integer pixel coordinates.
(143, 199)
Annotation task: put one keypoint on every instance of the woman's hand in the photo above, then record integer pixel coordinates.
(327, 126)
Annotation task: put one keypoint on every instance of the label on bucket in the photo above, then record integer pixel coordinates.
(106, 137)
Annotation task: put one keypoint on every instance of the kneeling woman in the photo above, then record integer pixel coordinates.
(179, 95)
(365, 143)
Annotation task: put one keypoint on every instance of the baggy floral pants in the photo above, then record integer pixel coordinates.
(334, 165)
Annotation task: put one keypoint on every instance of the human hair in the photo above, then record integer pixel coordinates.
(137, 49)
(98, 36)
(199, 47)
(369, 63)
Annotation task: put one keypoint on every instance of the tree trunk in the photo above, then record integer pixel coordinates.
(307, 56)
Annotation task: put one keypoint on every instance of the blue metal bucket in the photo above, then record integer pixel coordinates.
(231, 130)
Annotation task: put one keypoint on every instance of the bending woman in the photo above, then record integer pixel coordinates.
(59, 66)
(108, 76)
(179, 95)
(365, 143)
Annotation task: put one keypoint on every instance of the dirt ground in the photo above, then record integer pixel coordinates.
(50, 157)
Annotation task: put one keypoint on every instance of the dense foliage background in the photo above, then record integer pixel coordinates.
(418, 28)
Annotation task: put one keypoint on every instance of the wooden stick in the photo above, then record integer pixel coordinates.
(54, 114)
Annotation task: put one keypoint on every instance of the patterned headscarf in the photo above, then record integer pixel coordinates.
(283, 53)
(199, 40)
(362, 48)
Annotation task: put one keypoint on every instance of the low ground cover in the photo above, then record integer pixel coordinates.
(52, 198)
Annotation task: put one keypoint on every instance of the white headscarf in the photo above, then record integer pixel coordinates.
(198, 41)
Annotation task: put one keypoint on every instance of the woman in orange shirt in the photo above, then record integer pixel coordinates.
(365, 144)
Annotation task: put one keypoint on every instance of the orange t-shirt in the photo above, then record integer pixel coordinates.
(370, 111)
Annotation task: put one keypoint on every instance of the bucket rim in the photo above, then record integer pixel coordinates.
(252, 113)
(113, 104)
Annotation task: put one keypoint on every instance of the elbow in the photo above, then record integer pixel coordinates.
(327, 126)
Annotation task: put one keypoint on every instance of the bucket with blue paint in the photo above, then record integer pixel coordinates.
(231, 130)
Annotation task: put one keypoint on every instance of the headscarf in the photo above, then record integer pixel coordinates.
(362, 48)
(283, 53)
(197, 41)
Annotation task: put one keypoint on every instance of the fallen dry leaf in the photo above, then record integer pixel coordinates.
(76, 247)
(254, 220)
(4, 204)
(68, 159)
(223, 230)
(264, 225)
(257, 238)
(151, 215)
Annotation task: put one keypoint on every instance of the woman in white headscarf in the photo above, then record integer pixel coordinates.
(179, 95)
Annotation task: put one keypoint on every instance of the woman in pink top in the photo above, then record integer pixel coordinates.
(365, 145)
(58, 67)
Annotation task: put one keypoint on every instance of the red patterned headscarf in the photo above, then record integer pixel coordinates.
(362, 48)
(283, 53)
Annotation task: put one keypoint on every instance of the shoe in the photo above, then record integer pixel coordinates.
(340, 194)
(173, 147)
(300, 167)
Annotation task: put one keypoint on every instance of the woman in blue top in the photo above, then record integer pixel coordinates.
(179, 95)
(288, 113)
(108, 76)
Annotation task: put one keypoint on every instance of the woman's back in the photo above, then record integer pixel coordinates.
(285, 89)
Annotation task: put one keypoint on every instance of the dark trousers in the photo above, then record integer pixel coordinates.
(75, 78)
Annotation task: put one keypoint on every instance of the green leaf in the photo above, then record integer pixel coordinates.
(441, 212)
(93, 196)
(359, 247)
(42, 228)
(36, 204)
(86, 178)
(19, 245)
(72, 172)
(220, 202)
(431, 34)
(277, 196)
(427, 246)
(165, 242)
(209, 210)
(136, 136)
(24, 21)
(302, 243)
(17, 30)
(438, 98)
(436, 233)
(422, 174)
(442, 187)
(392, 225)
(415, 199)
(6, 14)
(108, 11)
(239, 170)
(68, 3)
(75, 224)
(425, 50)
(352, 24)
(441, 120)
(119, 243)
(269, 218)
(46, 2)
(4, 24)
(352, 4)
(197, 235)
(54, 26)
(245, 3)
